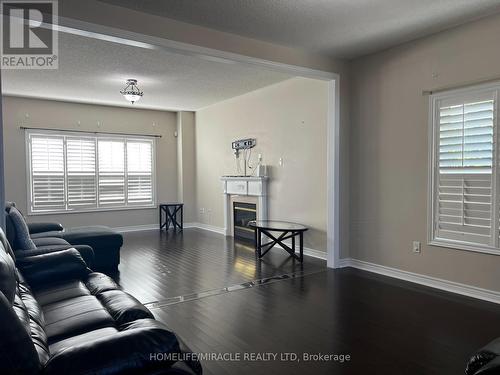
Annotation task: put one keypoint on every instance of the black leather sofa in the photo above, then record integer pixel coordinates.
(59, 317)
(99, 245)
(486, 361)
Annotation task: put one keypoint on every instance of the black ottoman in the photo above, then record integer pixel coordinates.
(105, 242)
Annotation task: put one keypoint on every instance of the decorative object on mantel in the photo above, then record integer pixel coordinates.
(131, 92)
(244, 147)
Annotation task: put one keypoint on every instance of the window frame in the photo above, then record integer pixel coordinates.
(433, 168)
(96, 136)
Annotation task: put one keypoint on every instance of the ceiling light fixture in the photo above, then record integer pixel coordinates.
(131, 92)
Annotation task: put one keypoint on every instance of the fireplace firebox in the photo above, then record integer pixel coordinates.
(243, 213)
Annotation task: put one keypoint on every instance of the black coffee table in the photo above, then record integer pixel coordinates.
(285, 229)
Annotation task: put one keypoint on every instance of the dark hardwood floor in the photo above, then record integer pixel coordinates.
(386, 326)
(159, 265)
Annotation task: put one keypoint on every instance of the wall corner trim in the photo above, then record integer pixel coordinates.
(433, 282)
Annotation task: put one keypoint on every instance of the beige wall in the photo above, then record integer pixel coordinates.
(389, 150)
(61, 115)
(289, 120)
(186, 164)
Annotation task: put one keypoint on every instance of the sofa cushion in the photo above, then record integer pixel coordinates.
(8, 282)
(75, 316)
(128, 352)
(49, 242)
(59, 292)
(98, 282)
(17, 351)
(49, 268)
(51, 234)
(123, 307)
(22, 238)
(84, 338)
(52, 244)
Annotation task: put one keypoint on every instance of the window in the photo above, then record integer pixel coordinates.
(78, 172)
(464, 209)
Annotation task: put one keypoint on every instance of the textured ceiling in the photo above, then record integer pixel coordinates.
(94, 71)
(341, 28)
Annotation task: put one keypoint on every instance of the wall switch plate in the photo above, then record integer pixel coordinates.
(416, 247)
(202, 210)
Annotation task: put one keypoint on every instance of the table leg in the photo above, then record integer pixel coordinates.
(174, 215)
(160, 218)
(301, 238)
(169, 217)
(182, 218)
(259, 249)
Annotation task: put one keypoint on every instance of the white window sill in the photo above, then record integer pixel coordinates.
(93, 210)
(459, 245)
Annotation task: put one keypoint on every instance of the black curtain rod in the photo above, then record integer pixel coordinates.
(91, 132)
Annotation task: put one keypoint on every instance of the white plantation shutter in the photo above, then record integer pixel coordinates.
(465, 209)
(81, 172)
(47, 173)
(111, 172)
(75, 172)
(139, 172)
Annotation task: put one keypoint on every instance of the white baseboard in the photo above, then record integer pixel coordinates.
(136, 228)
(315, 253)
(211, 228)
(433, 282)
(310, 252)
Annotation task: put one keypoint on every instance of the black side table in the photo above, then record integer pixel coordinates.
(286, 231)
(171, 210)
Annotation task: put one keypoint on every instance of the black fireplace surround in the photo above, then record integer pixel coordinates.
(59, 317)
(243, 213)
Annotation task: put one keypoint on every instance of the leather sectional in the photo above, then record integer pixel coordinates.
(486, 361)
(59, 317)
(98, 245)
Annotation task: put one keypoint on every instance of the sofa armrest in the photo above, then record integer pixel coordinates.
(486, 357)
(44, 227)
(52, 267)
(143, 346)
(85, 251)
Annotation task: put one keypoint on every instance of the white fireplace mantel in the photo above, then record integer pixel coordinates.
(243, 186)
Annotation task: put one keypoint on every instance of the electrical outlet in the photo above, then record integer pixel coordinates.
(281, 162)
(416, 247)
(202, 210)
